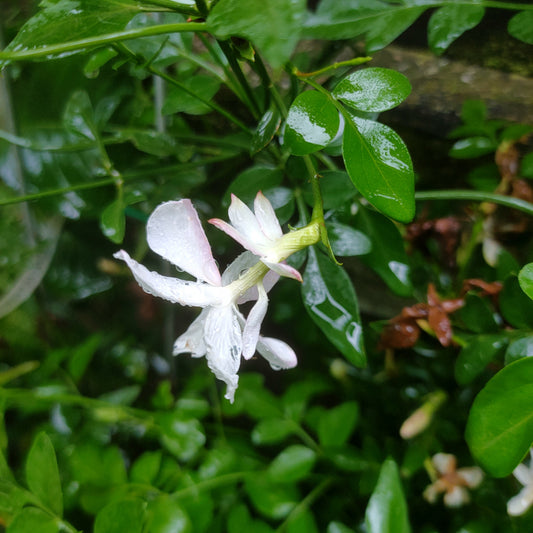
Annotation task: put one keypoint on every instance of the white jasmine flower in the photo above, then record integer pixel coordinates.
(220, 332)
(260, 232)
(520, 503)
(452, 481)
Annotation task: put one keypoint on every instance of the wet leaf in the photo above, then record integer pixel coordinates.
(113, 221)
(251, 180)
(312, 123)
(346, 241)
(516, 307)
(525, 278)
(519, 348)
(472, 147)
(501, 418)
(330, 299)
(450, 22)
(380, 167)
(373, 89)
(266, 129)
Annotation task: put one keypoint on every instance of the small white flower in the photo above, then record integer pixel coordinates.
(452, 481)
(520, 503)
(220, 332)
(260, 232)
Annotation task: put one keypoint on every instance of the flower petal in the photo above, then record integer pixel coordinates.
(520, 503)
(456, 497)
(250, 334)
(523, 474)
(444, 462)
(173, 289)
(472, 476)
(270, 279)
(246, 223)
(278, 353)
(223, 339)
(192, 341)
(266, 216)
(174, 232)
(236, 235)
(283, 269)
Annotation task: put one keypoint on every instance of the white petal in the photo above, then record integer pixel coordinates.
(456, 497)
(431, 492)
(174, 232)
(246, 223)
(284, 270)
(523, 474)
(444, 462)
(278, 353)
(266, 216)
(270, 279)
(236, 235)
(173, 289)
(192, 341)
(223, 339)
(520, 503)
(250, 333)
(473, 476)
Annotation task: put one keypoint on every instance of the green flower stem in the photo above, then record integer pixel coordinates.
(477, 196)
(306, 438)
(306, 503)
(100, 40)
(349, 63)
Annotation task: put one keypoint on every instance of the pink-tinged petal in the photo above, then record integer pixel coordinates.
(192, 341)
(246, 223)
(250, 334)
(266, 216)
(284, 270)
(175, 290)
(270, 279)
(223, 339)
(174, 232)
(278, 353)
(520, 503)
(228, 229)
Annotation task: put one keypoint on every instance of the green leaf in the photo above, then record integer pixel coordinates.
(521, 26)
(472, 147)
(273, 500)
(499, 430)
(31, 519)
(146, 467)
(182, 437)
(526, 166)
(303, 522)
(266, 129)
(518, 349)
(42, 474)
(387, 257)
(166, 516)
(387, 509)
(346, 241)
(292, 464)
(272, 431)
(188, 100)
(373, 89)
(120, 516)
(515, 306)
(330, 299)
(113, 221)
(477, 354)
(65, 20)
(338, 527)
(78, 117)
(380, 167)
(477, 315)
(450, 22)
(312, 123)
(336, 425)
(251, 180)
(273, 26)
(525, 278)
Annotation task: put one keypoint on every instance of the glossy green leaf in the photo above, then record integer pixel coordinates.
(272, 431)
(165, 515)
(113, 221)
(292, 464)
(271, 499)
(266, 129)
(330, 300)
(387, 509)
(337, 424)
(515, 306)
(499, 430)
(346, 241)
(42, 474)
(31, 520)
(525, 278)
(373, 89)
(251, 180)
(181, 436)
(189, 99)
(472, 147)
(450, 22)
(312, 123)
(387, 257)
(119, 516)
(477, 354)
(78, 117)
(521, 26)
(274, 26)
(380, 167)
(519, 348)
(67, 20)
